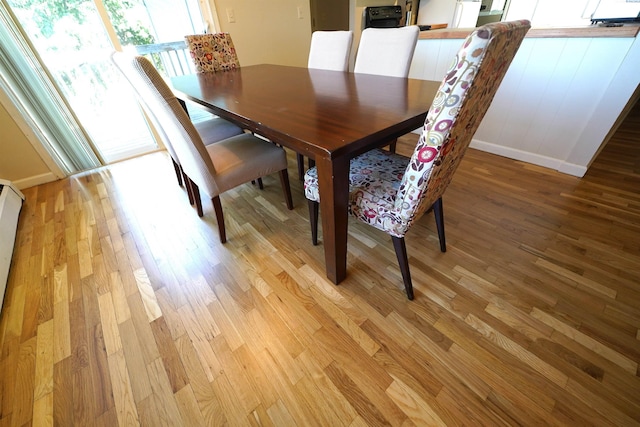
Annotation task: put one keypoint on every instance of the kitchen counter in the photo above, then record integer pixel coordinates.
(630, 30)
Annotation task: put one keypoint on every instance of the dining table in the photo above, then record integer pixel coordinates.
(328, 116)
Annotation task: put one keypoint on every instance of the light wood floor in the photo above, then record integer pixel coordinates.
(123, 308)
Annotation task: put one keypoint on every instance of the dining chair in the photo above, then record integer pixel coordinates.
(211, 130)
(387, 52)
(213, 168)
(212, 52)
(391, 192)
(330, 50)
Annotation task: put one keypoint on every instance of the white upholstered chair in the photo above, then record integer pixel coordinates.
(330, 50)
(386, 51)
(391, 192)
(213, 168)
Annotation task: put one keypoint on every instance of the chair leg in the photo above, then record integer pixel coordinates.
(217, 207)
(392, 146)
(300, 159)
(260, 185)
(313, 220)
(439, 214)
(196, 198)
(403, 262)
(286, 188)
(187, 185)
(176, 167)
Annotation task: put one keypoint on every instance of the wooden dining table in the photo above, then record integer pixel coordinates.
(328, 116)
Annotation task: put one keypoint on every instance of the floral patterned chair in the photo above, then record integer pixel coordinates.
(212, 52)
(389, 191)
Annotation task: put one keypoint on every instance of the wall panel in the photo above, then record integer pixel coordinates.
(550, 94)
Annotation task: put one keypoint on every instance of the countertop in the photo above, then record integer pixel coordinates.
(568, 32)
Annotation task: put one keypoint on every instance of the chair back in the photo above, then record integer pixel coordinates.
(457, 110)
(330, 50)
(154, 121)
(167, 111)
(212, 52)
(386, 51)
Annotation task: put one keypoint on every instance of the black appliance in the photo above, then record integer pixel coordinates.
(616, 13)
(382, 16)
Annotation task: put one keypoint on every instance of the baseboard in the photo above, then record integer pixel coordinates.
(572, 169)
(524, 156)
(32, 181)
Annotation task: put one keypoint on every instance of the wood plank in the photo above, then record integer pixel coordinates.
(44, 363)
(122, 390)
(188, 407)
(208, 401)
(61, 326)
(22, 412)
(169, 354)
(167, 408)
(62, 399)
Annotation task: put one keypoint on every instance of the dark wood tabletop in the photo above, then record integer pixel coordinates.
(329, 116)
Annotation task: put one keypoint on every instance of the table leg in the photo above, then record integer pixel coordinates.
(333, 177)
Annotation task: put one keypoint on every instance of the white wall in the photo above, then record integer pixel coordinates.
(558, 100)
(20, 161)
(613, 100)
(267, 31)
(551, 13)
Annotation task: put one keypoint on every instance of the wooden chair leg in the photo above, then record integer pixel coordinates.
(392, 146)
(286, 188)
(187, 186)
(176, 167)
(259, 181)
(439, 214)
(403, 262)
(217, 207)
(313, 220)
(300, 159)
(196, 198)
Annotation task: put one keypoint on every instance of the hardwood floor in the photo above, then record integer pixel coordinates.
(123, 308)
